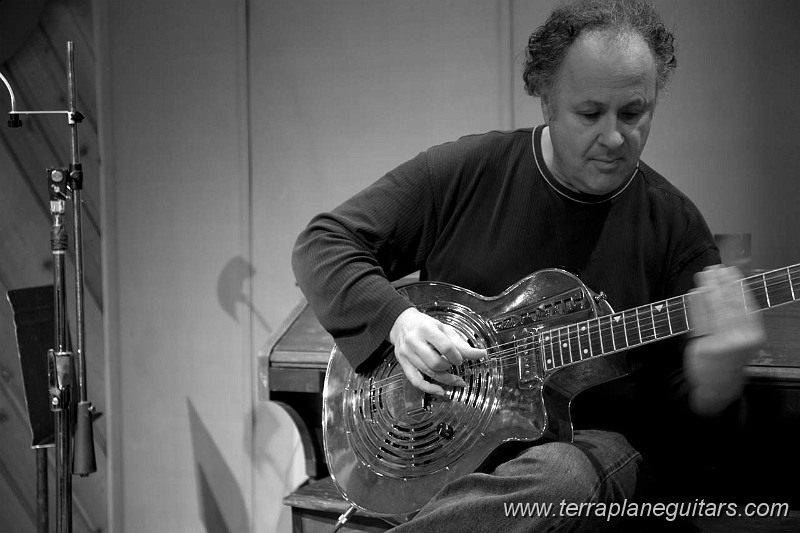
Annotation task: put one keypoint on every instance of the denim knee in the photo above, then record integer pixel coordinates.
(572, 477)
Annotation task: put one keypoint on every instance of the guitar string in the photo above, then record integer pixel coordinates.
(509, 351)
(500, 355)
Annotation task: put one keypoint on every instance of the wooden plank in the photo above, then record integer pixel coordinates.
(296, 380)
(783, 337)
(314, 360)
(62, 22)
(14, 516)
(306, 335)
(83, 10)
(309, 521)
(321, 495)
(17, 459)
(317, 505)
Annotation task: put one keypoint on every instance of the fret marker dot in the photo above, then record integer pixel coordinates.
(549, 361)
(583, 328)
(564, 345)
(585, 350)
(547, 338)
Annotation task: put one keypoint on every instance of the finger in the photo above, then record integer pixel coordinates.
(414, 376)
(706, 307)
(445, 378)
(465, 350)
(442, 343)
(740, 302)
(421, 362)
(699, 312)
(723, 304)
(732, 303)
(425, 348)
(716, 298)
(729, 300)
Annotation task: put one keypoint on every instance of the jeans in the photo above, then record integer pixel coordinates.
(598, 467)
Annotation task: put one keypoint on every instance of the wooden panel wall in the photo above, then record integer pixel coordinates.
(38, 74)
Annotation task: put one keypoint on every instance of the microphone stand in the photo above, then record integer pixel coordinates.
(74, 440)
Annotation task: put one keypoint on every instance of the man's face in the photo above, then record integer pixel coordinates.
(600, 111)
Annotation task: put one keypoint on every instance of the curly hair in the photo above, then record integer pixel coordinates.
(548, 45)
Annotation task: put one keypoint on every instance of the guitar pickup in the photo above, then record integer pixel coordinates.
(527, 349)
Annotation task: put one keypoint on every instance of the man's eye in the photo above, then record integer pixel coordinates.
(631, 115)
(590, 116)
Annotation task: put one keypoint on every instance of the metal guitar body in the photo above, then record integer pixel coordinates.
(390, 447)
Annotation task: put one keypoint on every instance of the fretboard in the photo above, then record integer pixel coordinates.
(615, 332)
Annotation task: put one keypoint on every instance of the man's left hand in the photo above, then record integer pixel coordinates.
(726, 337)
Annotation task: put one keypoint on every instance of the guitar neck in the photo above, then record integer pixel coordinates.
(653, 322)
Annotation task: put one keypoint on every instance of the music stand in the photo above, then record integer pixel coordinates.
(34, 326)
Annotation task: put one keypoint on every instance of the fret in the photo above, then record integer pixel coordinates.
(618, 331)
(658, 312)
(646, 325)
(584, 341)
(756, 288)
(595, 339)
(632, 329)
(779, 287)
(549, 360)
(574, 344)
(614, 332)
(676, 313)
(793, 270)
(606, 335)
(566, 343)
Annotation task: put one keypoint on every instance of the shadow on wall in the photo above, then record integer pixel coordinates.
(230, 291)
(220, 500)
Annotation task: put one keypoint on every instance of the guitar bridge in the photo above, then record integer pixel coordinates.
(526, 349)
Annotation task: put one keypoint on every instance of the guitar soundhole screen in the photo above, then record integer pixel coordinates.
(394, 427)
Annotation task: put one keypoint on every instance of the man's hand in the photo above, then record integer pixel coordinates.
(423, 345)
(726, 336)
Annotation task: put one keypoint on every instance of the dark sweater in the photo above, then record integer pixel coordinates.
(483, 212)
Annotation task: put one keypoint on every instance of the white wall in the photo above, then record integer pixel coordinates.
(177, 194)
(344, 91)
(227, 125)
(341, 92)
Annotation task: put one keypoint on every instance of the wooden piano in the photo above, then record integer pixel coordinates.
(291, 372)
(292, 368)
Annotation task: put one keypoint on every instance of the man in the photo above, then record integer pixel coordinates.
(486, 210)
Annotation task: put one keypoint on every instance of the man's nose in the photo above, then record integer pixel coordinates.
(611, 134)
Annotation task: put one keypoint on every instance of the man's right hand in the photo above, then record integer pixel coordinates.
(423, 345)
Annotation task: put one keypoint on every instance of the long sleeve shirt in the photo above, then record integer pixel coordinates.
(483, 212)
